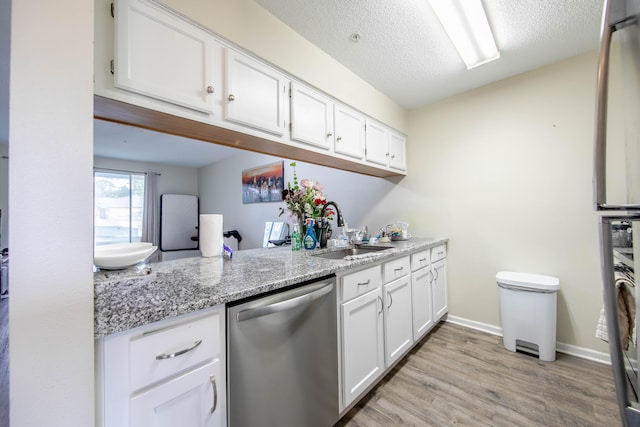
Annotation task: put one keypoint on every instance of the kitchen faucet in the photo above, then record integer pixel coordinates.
(324, 225)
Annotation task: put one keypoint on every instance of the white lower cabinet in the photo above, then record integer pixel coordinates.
(422, 302)
(440, 306)
(398, 330)
(190, 399)
(361, 331)
(383, 311)
(362, 343)
(164, 374)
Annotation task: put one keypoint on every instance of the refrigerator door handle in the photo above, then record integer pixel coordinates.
(611, 312)
(612, 21)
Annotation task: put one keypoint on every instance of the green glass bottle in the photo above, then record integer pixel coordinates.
(296, 239)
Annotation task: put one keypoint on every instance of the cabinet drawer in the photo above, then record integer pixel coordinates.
(438, 253)
(420, 259)
(360, 282)
(156, 355)
(396, 269)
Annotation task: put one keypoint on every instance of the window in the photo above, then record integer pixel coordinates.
(118, 207)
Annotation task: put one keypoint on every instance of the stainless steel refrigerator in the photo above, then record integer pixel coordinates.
(617, 194)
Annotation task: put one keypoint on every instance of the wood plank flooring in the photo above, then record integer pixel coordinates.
(463, 377)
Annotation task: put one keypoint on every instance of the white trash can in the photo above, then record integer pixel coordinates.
(528, 304)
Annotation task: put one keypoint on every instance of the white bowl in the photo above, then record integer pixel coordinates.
(121, 255)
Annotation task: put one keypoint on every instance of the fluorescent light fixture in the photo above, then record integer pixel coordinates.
(466, 24)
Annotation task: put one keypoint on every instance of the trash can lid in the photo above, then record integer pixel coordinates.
(527, 280)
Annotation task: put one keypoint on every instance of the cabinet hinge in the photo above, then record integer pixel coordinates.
(112, 66)
(113, 10)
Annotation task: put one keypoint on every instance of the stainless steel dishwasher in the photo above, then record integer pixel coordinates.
(283, 359)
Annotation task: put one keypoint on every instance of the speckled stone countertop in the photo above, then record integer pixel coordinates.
(144, 294)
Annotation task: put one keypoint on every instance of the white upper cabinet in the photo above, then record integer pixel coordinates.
(311, 117)
(159, 55)
(377, 143)
(349, 132)
(397, 151)
(385, 147)
(254, 94)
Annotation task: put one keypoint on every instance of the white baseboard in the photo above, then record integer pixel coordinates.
(584, 353)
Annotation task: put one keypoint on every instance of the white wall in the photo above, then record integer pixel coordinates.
(51, 209)
(221, 192)
(248, 25)
(505, 172)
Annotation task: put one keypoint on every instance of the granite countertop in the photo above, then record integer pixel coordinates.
(126, 299)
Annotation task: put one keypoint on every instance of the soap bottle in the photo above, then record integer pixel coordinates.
(296, 239)
(310, 240)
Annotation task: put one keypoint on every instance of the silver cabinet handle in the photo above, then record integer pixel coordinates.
(381, 305)
(365, 283)
(393, 156)
(329, 134)
(422, 259)
(214, 386)
(339, 139)
(209, 89)
(288, 304)
(431, 278)
(437, 274)
(232, 98)
(390, 300)
(178, 353)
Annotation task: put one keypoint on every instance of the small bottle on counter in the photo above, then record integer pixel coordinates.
(310, 240)
(296, 239)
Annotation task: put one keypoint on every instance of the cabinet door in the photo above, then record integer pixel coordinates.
(188, 400)
(255, 94)
(397, 151)
(398, 330)
(377, 142)
(440, 307)
(421, 302)
(311, 117)
(161, 56)
(349, 132)
(362, 344)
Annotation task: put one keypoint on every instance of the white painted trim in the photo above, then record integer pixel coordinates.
(572, 350)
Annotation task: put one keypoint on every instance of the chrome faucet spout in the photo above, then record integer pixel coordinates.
(339, 217)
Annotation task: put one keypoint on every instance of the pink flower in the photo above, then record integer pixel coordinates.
(318, 187)
(306, 183)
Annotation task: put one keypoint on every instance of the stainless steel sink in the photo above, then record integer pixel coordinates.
(359, 250)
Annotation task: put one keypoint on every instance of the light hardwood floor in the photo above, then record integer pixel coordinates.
(462, 377)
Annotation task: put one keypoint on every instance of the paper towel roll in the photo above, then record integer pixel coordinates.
(210, 235)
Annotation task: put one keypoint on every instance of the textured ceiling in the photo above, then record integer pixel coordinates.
(404, 52)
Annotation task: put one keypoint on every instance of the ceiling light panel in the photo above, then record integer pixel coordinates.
(467, 26)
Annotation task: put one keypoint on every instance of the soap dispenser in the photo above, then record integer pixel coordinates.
(310, 240)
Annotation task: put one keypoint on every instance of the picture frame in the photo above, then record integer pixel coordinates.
(263, 183)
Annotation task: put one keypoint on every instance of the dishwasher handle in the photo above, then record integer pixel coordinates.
(288, 304)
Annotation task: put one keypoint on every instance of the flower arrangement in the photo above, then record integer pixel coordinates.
(304, 199)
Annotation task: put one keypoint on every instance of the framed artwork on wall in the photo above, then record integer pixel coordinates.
(263, 183)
